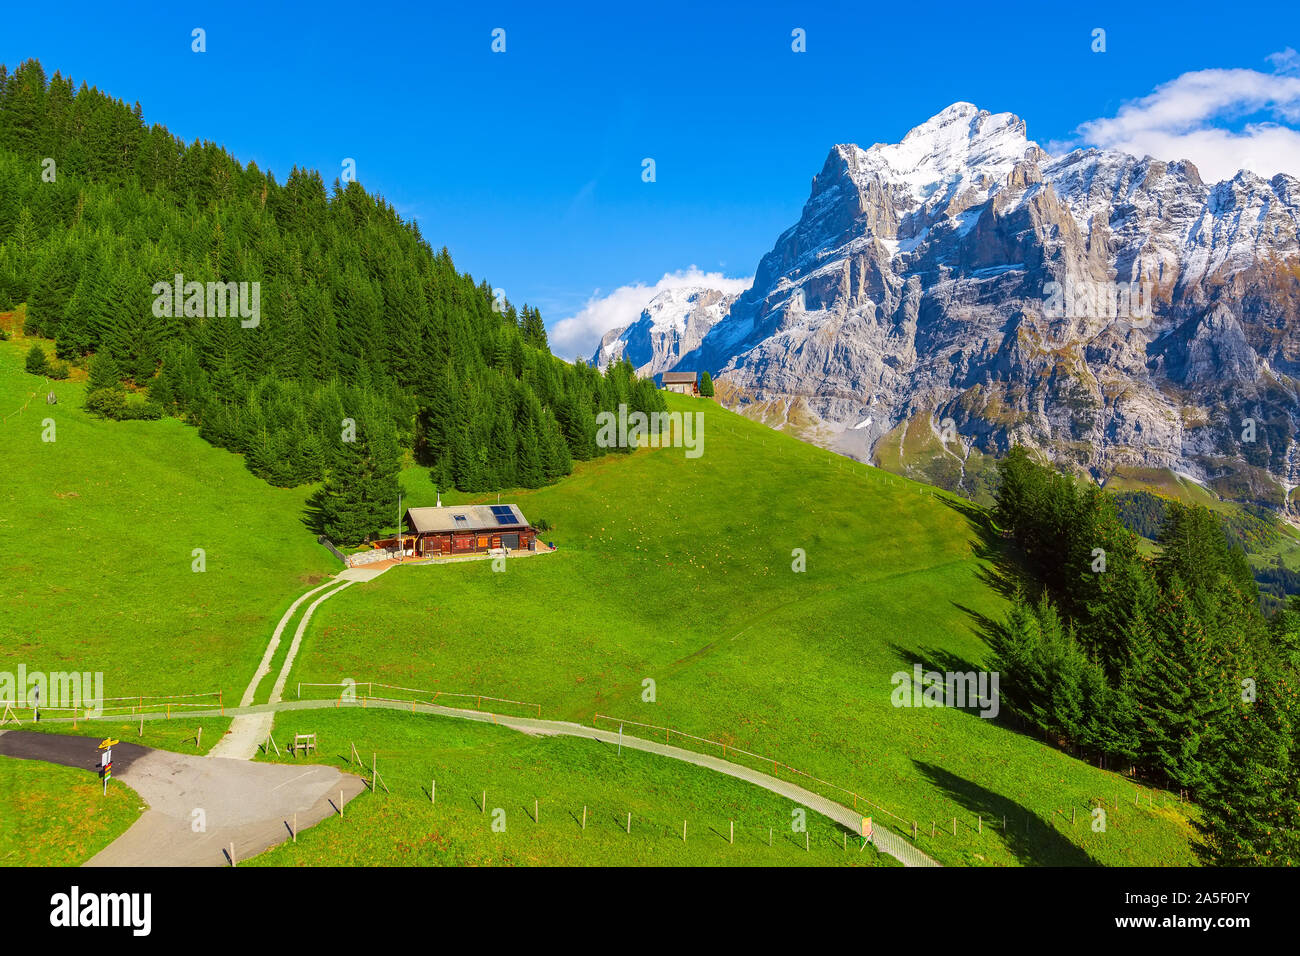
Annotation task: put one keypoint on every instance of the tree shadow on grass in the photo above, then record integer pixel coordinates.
(1029, 838)
(944, 662)
(1003, 567)
(313, 517)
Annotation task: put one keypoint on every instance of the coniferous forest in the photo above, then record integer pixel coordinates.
(1166, 667)
(360, 319)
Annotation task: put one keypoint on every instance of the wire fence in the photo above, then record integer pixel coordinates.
(19, 411)
(728, 750)
(135, 705)
(421, 696)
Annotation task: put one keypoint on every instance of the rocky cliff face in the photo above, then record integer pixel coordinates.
(673, 323)
(1109, 310)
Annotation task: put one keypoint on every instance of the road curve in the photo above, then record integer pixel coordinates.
(198, 806)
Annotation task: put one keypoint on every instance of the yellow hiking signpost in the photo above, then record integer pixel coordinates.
(106, 761)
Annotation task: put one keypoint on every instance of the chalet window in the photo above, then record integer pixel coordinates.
(483, 541)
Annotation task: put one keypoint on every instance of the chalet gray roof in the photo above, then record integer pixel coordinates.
(463, 518)
(679, 378)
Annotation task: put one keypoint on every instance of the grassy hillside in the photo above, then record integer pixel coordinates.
(913, 450)
(97, 533)
(670, 570)
(404, 828)
(58, 816)
(1164, 482)
(679, 571)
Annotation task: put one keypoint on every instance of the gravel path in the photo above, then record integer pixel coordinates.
(886, 841)
(248, 732)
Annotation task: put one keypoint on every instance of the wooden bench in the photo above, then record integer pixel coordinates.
(304, 742)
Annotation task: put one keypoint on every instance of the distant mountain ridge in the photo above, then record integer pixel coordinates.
(672, 324)
(938, 280)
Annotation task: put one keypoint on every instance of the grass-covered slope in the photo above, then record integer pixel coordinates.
(97, 534)
(679, 571)
(58, 816)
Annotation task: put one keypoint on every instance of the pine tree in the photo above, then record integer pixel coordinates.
(103, 373)
(359, 496)
(37, 363)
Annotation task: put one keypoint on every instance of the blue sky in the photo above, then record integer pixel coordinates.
(528, 164)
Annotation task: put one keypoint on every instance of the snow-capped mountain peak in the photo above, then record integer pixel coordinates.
(673, 323)
(960, 148)
(920, 274)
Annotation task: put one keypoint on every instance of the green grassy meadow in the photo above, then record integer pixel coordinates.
(672, 599)
(679, 571)
(99, 528)
(405, 828)
(59, 816)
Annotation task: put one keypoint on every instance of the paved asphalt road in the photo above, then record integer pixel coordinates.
(248, 804)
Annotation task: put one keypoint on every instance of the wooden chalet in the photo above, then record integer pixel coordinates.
(467, 529)
(686, 383)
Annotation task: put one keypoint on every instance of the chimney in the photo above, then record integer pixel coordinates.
(440, 499)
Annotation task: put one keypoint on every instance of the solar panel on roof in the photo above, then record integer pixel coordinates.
(504, 514)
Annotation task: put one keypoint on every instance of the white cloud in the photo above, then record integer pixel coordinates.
(1185, 119)
(579, 334)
